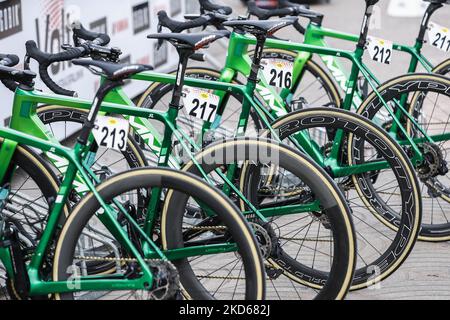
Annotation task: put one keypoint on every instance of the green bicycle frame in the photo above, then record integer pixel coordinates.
(25, 119)
(29, 130)
(316, 35)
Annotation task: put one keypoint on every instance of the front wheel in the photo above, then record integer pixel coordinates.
(308, 237)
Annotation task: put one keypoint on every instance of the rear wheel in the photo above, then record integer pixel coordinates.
(443, 68)
(241, 270)
(426, 97)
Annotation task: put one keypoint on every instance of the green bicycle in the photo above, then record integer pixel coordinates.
(312, 84)
(102, 227)
(384, 249)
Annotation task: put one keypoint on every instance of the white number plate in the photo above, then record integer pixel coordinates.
(278, 72)
(380, 50)
(200, 103)
(439, 36)
(111, 132)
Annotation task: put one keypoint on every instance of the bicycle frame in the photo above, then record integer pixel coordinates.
(25, 120)
(315, 35)
(72, 163)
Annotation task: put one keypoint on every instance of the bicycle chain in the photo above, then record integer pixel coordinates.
(270, 189)
(217, 228)
(106, 259)
(268, 265)
(304, 239)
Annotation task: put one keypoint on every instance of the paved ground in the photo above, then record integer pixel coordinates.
(426, 274)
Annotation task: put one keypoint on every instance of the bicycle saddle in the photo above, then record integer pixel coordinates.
(208, 6)
(286, 9)
(192, 41)
(260, 27)
(371, 2)
(112, 71)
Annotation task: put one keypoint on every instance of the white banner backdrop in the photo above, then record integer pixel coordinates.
(127, 22)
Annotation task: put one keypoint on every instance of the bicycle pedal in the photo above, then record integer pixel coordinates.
(273, 273)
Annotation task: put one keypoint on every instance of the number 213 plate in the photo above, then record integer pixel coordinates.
(111, 132)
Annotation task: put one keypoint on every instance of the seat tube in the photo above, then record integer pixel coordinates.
(251, 84)
(174, 107)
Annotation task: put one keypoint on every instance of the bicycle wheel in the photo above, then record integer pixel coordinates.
(426, 99)
(32, 188)
(300, 244)
(392, 189)
(315, 88)
(65, 122)
(230, 227)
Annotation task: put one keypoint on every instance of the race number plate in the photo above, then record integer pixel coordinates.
(200, 103)
(380, 50)
(439, 36)
(278, 72)
(111, 132)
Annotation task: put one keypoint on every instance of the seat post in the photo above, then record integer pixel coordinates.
(184, 55)
(366, 23)
(256, 63)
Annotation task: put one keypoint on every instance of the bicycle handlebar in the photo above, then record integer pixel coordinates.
(79, 32)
